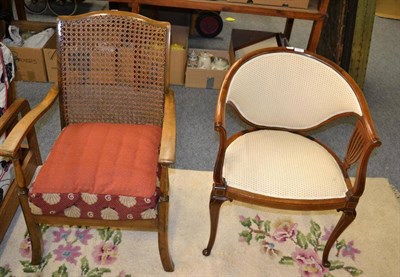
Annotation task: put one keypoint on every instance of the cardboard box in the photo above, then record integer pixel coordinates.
(285, 3)
(50, 59)
(246, 41)
(178, 58)
(206, 78)
(29, 62)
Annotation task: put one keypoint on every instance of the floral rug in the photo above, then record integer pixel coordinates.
(251, 241)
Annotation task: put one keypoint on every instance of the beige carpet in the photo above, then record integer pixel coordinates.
(250, 241)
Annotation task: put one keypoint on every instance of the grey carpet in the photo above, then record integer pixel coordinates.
(197, 142)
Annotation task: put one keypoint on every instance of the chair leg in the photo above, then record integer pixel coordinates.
(163, 208)
(36, 243)
(215, 206)
(163, 248)
(34, 231)
(345, 220)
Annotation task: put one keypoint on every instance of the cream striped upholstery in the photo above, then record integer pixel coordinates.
(284, 165)
(292, 91)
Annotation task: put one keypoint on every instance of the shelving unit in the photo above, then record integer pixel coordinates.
(315, 12)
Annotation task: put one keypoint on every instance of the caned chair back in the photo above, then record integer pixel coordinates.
(113, 68)
(289, 90)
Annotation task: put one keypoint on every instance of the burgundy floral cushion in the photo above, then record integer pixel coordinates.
(100, 171)
(96, 206)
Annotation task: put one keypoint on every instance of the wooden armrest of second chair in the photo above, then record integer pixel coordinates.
(19, 121)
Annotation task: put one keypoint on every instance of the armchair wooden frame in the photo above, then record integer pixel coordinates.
(17, 108)
(363, 140)
(26, 165)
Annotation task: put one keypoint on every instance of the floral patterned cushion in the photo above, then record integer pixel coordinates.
(100, 170)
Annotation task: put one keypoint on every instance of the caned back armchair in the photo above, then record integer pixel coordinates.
(282, 95)
(109, 165)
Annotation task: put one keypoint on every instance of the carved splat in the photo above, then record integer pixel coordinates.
(357, 144)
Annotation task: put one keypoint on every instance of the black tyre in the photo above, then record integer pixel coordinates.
(35, 6)
(63, 7)
(209, 24)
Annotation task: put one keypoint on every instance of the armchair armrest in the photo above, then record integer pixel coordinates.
(168, 137)
(14, 139)
(9, 117)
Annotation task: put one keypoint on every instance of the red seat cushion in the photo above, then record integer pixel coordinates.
(101, 158)
(103, 171)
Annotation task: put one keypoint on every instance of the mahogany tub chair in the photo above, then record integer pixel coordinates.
(109, 165)
(283, 95)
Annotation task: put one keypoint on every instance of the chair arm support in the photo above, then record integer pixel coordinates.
(219, 118)
(14, 139)
(219, 126)
(168, 137)
(217, 176)
(363, 137)
(363, 141)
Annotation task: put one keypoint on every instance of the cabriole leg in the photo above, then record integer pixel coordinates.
(215, 206)
(345, 220)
